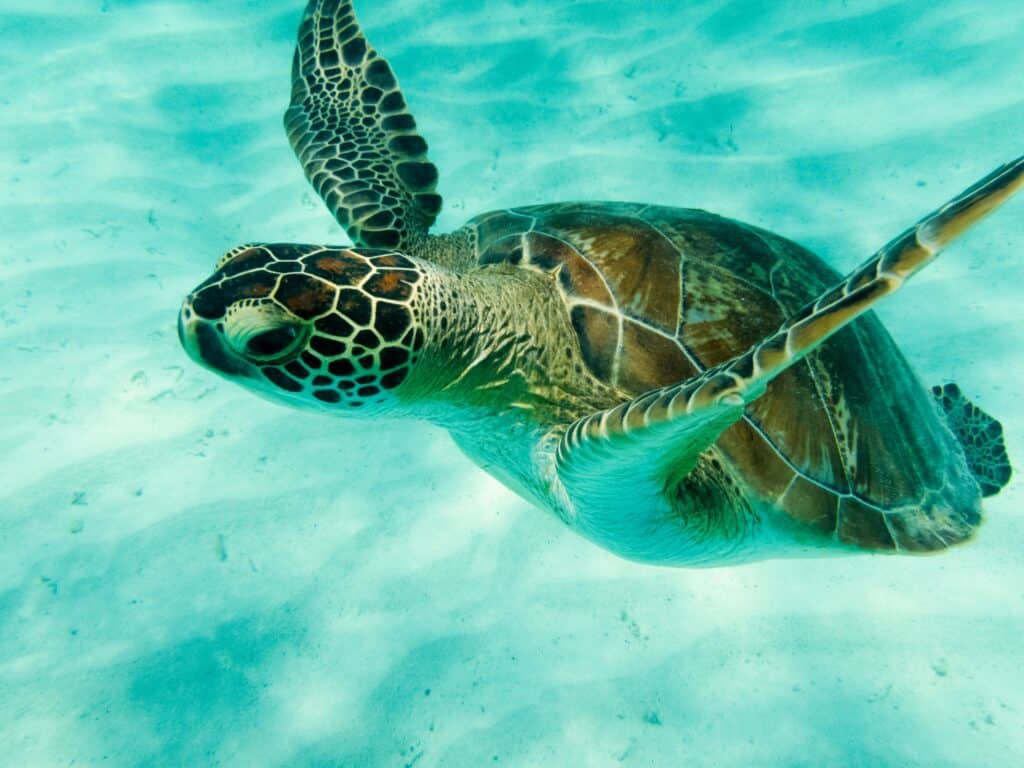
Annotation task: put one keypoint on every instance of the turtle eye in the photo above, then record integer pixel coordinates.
(272, 343)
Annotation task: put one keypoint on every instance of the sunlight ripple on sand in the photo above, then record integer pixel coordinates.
(190, 576)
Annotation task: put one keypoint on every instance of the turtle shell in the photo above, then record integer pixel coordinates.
(846, 442)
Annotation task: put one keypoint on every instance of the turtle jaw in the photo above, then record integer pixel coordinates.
(204, 343)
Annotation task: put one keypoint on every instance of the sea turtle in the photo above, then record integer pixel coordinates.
(658, 378)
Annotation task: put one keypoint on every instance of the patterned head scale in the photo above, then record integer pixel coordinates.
(329, 327)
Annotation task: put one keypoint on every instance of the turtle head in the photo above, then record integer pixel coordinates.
(331, 328)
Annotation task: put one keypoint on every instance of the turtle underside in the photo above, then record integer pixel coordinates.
(847, 443)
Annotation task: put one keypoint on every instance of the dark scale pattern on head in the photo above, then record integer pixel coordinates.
(342, 367)
(368, 339)
(393, 379)
(356, 306)
(290, 251)
(250, 258)
(392, 320)
(212, 301)
(396, 284)
(335, 325)
(297, 369)
(393, 260)
(236, 253)
(327, 347)
(392, 357)
(278, 377)
(350, 128)
(352, 308)
(305, 296)
(336, 269)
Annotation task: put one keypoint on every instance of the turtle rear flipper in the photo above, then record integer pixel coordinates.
(614, 464)
(358, 144)
(980, 435)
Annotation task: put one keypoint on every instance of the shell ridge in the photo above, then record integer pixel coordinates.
(616, 309)
(681, 308)
(752, 422)
(830, 415)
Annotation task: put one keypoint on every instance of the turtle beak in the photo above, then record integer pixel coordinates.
(205, 344)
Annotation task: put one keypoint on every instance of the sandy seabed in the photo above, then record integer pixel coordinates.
(192, 577)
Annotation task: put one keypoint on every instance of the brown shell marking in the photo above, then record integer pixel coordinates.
(608, 305)
(844, 442)
(640, 266)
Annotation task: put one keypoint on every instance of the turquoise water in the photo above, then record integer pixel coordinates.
(190, 576)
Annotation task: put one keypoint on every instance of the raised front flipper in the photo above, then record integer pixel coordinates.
(357, 142)
(636, 477)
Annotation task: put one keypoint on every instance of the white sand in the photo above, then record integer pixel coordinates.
(192, 577)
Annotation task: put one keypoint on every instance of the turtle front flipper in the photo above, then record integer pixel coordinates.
(639, 478)
(349, 125)
(626, 473)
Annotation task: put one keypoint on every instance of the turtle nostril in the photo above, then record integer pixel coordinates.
(272, 343)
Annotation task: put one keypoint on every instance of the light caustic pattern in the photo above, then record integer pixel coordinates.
(189, 575)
